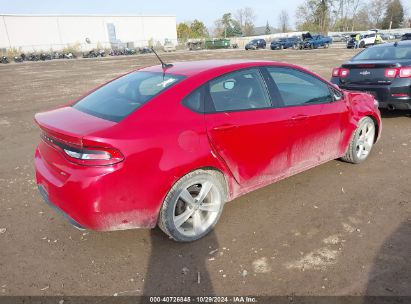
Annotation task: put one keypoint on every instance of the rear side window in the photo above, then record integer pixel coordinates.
(241, 90)
(194, 101)
(119, 98)
(384, 53)
(298, 88)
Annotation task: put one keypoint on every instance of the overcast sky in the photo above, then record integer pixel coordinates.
(185, 10)
(204, 10)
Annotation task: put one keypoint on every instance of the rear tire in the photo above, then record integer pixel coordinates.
(361, 143)
(193, 205)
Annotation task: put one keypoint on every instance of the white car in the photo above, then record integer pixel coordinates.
(367, 39)
(169, 47)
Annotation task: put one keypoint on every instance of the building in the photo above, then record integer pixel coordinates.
(54, 32)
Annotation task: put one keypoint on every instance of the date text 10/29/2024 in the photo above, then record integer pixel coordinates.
(203, 299)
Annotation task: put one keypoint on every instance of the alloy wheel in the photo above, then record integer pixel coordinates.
(365, 140)
(197, 208)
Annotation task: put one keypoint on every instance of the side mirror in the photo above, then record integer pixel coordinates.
(337, 94)
(229, 84)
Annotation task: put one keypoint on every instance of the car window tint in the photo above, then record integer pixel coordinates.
(241, 90)
(194, 100)
(119, 98)
(299, 88)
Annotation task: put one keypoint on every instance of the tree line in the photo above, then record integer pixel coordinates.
(313, 15)
(350, 15)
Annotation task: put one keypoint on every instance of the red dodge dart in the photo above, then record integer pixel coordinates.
(168, 145)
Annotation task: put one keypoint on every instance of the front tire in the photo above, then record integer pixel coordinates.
(193, 206)
(362, 142)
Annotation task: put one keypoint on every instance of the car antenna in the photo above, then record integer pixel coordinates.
(164, 65)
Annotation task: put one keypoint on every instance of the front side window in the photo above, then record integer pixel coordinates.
(119, 98)
(299, 88)
(241, 90)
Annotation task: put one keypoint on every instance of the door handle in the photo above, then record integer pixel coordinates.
(224, 127)
(299, 117)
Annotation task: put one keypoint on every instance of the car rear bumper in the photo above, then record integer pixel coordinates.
(45, 196)
(385, 94)
(92, 198)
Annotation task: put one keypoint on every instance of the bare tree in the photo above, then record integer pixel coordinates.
(239, 16)
(313, 15)
(376, 9)
(283, 21)
(249, 21)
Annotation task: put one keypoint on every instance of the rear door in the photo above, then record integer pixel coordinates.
(243, 128)
(317, 118)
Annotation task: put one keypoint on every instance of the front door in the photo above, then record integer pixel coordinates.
(316, 116)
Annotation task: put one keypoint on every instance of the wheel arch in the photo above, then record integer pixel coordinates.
(377, 127)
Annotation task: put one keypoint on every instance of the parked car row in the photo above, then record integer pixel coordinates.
(71, 55)
(373, 37)
(38, 57)
(306, 41)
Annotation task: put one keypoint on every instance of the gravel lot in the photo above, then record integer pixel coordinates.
(337, 229)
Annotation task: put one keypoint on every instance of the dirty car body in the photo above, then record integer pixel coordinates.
(108, 159)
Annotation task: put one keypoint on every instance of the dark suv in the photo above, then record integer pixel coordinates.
(406, 36)
(285, 43)
(256, 44)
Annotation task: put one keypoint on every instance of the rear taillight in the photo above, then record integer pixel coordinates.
(93, 156)
(404, 72)
(340, 72)
(391, 72)
(87, 156)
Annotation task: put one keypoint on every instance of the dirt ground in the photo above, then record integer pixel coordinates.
(337, 229)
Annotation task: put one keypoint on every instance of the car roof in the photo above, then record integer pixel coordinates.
(191, 68)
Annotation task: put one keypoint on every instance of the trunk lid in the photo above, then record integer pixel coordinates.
(70, 125)
(63, 128)
(368, 73)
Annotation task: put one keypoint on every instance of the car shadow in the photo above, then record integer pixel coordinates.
(391, 272)
(395, 113)
(179, 269)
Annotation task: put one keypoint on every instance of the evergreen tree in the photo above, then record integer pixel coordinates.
(267, 29)
(394, 15)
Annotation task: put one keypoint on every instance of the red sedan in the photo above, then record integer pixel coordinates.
(169, 145)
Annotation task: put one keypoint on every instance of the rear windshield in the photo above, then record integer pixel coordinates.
(119, 98)
(384, 53)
